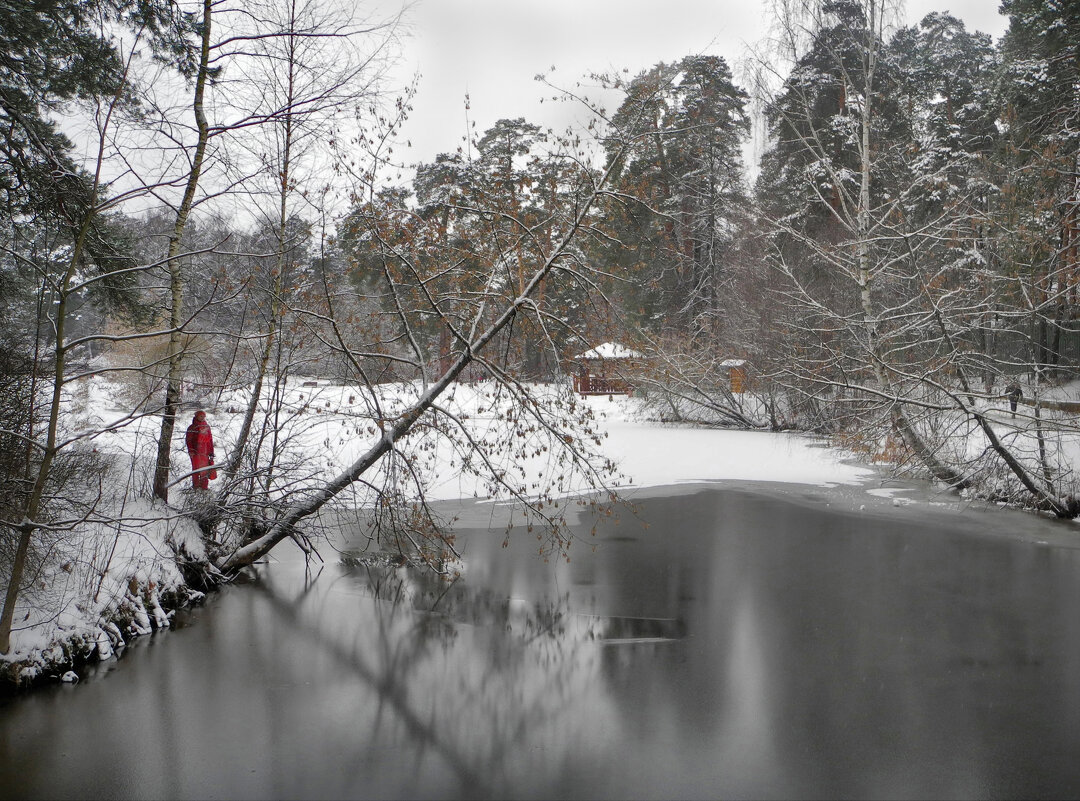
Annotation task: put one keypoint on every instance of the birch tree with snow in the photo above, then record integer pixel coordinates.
(486, 288)
(861, 198)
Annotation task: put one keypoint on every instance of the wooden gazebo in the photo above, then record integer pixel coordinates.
(738, 377)
(603, 370)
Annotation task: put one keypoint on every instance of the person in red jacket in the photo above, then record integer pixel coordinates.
(200, 447)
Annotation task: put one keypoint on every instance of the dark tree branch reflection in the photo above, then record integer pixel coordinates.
(526, 665)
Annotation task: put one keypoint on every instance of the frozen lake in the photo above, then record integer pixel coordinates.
(740, 645)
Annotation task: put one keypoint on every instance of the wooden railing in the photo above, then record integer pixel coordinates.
(589, 384)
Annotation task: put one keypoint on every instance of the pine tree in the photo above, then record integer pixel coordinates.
(686, 167)
(52, 54)
(945, 78)
(1041, 192)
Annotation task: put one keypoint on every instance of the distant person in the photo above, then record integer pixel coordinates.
(200, 447)
(1014, 394)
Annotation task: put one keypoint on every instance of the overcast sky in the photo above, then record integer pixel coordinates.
(492, 49)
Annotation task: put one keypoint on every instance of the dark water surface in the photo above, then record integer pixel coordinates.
(741, 645)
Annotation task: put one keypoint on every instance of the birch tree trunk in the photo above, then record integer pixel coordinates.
(163, 465)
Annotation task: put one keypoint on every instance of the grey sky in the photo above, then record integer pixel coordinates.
(492, 49)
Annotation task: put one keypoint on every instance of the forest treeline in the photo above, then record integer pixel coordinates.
(198, 199)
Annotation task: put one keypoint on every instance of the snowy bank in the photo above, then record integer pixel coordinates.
(117, 576)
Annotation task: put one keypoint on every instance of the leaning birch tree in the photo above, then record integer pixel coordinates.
(481, 289)
(856, 225)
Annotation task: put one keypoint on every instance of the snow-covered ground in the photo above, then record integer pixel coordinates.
(98, 577)
(652, 454)
(326, 427)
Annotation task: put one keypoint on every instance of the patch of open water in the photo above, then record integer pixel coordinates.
(721, 643)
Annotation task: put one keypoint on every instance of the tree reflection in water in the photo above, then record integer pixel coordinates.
(459, 673)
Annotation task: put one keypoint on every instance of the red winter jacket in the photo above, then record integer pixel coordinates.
(200, 442)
